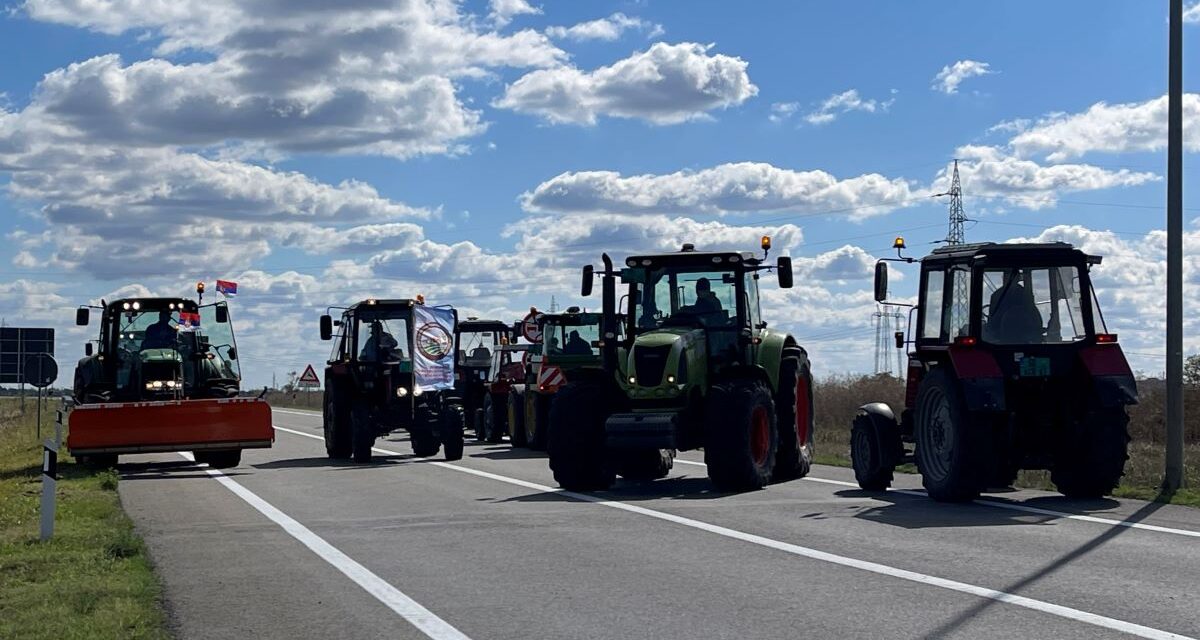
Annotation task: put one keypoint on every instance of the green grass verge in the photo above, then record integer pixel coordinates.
(92, 579)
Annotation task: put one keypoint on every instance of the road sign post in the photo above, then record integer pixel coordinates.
(40, 371)
(1173, 478)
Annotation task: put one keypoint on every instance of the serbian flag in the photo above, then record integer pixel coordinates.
(189, 321)
(226, 288)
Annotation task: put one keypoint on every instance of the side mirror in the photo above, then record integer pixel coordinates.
(881, 281)
(87, 349)
(233, 353)
(899, 339)
(586, 288)
(326, 327)
(81, 316)
(222, 313)
(783, 271)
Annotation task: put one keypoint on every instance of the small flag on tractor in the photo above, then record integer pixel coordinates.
(189, 321)
(227, 288)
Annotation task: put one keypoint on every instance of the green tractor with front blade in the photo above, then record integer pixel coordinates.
(694, 366)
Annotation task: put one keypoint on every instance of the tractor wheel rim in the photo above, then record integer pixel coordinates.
(861, 451)
(760, 434)
(937, 436)
(803, 412)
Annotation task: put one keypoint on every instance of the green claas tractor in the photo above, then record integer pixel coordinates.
(392, 367)
(1011, 367)
(695, 367)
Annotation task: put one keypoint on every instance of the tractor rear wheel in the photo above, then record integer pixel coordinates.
(794, 415)
(219, 459)
(741, 439)
(424, 441)
(477, 425)
(640, 465)
(336, 424)
(875, 448)
(362, 434)
(450, 428)
(949, 448)
(494, 415)
(1091, 464)
(516, 419)
(578, 456)
(537, 421)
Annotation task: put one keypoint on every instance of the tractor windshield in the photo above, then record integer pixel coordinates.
(215, 340)
(383, 337)
(1032, 305)
(572, 338)
(475, 348)
(681, 298)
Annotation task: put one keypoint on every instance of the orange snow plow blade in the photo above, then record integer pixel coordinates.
(178, 425)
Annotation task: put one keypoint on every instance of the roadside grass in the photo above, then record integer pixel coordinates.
(310, 400)
(837, 398)
(93, 578)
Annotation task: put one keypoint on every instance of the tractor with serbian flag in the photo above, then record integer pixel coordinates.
(163, 376)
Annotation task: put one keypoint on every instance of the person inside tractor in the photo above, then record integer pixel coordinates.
(576, 345)
(1013, 316)
(706, 300)
(380, 346)
(160, 335)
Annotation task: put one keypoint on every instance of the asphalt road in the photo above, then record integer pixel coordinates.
(293, 545)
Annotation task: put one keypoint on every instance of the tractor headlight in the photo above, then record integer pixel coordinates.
(632, 380)
(401, 392)
(417, 390)
(670, 379)
(158, 384)
(170, 384)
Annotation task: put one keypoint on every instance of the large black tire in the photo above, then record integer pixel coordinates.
(219, 459)
(950, 450)
(516, 419)
(337, 426)
(362, 434)
(537, 422)
(578, 456)
(741, 435)
(875, 449)
(640, 465)
(450, 428)
(1091, 462)
(477, 425)
(794, 416)
(495, 421)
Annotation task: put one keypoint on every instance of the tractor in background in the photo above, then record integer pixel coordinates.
(392, 367)
(476, 341)
(695, 367)
(1011, 367)
(163, 376)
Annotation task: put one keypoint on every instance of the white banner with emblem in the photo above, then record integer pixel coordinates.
(433, 347)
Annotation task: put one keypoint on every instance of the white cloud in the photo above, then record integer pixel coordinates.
(728, 188)
(781, 111)
(608, 29)
(948, 79)
(1191, 14)
(844, 102)
(503, 11)
(1105, 128)
(666, 84)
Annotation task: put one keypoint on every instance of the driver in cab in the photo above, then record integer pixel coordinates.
(380, 346)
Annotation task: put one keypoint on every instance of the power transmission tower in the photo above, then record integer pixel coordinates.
(956, 233)
(887, 320)
(553, 304)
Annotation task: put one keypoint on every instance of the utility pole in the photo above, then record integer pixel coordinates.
(1173, 479)
(887, 320)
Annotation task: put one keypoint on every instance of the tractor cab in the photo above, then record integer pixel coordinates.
(477, 340)
(159, 349)
(570, 336)
(373, 344)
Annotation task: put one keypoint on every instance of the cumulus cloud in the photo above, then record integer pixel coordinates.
(503, 11)
(666, 84)
(728, 188)
(1105, 128)
(1191, 14)
(781, 111)
(952, 75)
(608, 29)
(844, 102)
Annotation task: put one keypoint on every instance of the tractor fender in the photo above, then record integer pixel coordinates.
(1112, 379)
(744, 372)
(878, 410)
(980, 376)
(774, 347)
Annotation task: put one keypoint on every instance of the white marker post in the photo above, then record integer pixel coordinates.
(50, 474)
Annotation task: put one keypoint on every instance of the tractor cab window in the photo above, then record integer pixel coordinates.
(382, 339)
(140, 333)
(674, 298)
(933, 301)
(214, 342)
(571, 339)
(753, 310)
(960, 303)
(1032, 305)
(475, 348)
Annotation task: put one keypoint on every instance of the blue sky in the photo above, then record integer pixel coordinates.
(480, 152)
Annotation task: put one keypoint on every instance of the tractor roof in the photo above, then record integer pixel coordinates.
(571, 318)
(150, 303)
(377, 303)
(691, 259)
(1009, 251)
(478, 326)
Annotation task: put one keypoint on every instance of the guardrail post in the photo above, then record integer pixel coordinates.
(50, 472)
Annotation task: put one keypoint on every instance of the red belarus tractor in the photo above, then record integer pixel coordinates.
(1011, 367)
(477, 340)
(508, 370)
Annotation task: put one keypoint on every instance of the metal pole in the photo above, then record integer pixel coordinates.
(1173, 478)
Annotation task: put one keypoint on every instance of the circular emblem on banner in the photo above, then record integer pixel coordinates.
(530, 328)
(434, 341)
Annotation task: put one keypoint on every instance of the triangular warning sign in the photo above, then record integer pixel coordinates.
(309, 376)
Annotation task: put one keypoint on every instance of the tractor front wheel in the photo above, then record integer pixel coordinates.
(949, 447)
(794, 413)
(450, 428)
(219, 459)
(493, 420)
(516, 419)
(362, 434)
(1091, 463)
(578, 456)
(742, 435)
(875, 448)
(641, 465)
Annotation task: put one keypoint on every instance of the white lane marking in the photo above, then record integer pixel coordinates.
(409, 609)
(297, 412)
(823, 556)
(988, 502)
